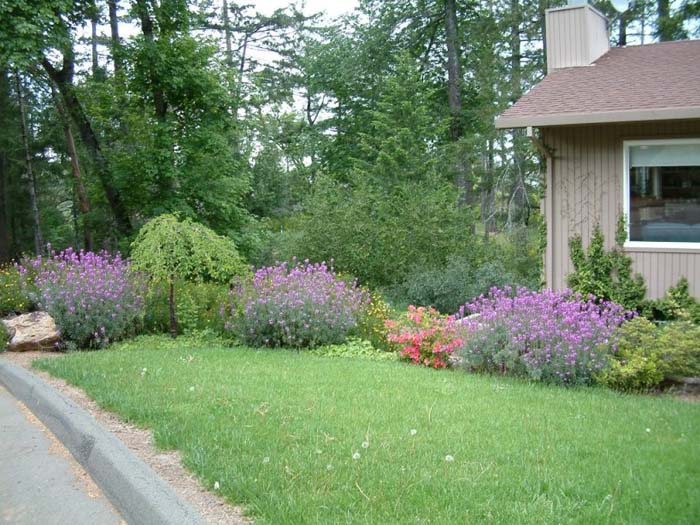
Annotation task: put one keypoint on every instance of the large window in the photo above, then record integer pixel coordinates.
(662, 192)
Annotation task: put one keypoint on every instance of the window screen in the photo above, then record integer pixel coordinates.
(664, 185)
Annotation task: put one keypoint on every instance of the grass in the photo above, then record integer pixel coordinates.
(278, 431)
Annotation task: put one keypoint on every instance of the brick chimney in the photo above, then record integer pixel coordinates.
(577, 35)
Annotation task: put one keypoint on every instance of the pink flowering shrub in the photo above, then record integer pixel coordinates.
(426, 337)
(552, 336)
(304, 305)
(94, 297)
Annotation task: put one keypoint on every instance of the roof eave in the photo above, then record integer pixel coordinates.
(610, 117)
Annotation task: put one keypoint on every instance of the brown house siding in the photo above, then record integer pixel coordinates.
(584, 186)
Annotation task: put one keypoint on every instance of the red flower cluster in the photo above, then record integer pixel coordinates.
(428, 338)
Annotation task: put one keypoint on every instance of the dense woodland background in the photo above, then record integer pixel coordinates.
(368, 139)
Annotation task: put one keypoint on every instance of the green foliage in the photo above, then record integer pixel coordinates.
(606, 274)
(30, 27)
(372, 324)
(189, 342)
(454, 284)
(680, 344)
(677, 305)
(198, 306)
(401, 129)
(518, 250)
(355, 349)
(278, 244)
(167, 249)
(13, 296)
(4, 337)
(379, 235)
(636, 364)
(647, 354)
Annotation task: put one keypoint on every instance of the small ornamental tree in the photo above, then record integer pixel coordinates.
(606, 274)
(169, 249)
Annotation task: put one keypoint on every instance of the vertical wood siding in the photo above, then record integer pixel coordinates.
(576, 36)
(585, 188)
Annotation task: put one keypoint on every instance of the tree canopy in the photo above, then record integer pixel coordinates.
(288, 133)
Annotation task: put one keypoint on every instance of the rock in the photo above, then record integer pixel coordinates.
(687, 385)
(32, 331)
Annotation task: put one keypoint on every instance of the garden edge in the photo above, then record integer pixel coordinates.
(136, 491)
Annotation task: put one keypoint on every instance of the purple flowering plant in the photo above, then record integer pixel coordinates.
(553, 336)
(299, 305)
(94, 298)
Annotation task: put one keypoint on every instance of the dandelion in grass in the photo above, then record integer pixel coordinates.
(365, 444)
(413, 432)
(329, 467)
(143, 372)
(191, 389)
(648, 430)
(266, 460)
(356, 456)
(449, 458)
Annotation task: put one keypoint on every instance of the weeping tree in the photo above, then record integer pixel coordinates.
(168, 249)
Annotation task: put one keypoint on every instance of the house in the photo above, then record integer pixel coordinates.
(620, 131)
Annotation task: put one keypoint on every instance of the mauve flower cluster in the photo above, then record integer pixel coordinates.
(303, 305)
(550, 335)
(94, 297)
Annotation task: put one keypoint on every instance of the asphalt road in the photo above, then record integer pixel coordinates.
(40, 482)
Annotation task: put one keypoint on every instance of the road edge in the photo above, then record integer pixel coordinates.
(136, 491)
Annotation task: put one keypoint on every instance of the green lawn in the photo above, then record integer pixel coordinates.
(278, 431)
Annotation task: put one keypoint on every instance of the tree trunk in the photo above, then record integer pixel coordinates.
(159, 102)
(4, 233)
(544, 5)
(622, 33)
(5, 249)
(93, 42)
(664, 27)
(244, 50)
(227, 34)
(454, 73)
(36, 226)
(63, 79)
(83, 202)
(515, 57)
(488, 192)
(117, 56)
(454, 99)
(173, 319)
(518, 193)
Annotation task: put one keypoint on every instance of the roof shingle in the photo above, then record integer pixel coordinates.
(648, 82)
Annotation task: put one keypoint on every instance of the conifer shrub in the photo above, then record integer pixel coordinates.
(606, 274)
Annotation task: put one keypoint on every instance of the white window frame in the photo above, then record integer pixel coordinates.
(626, 195)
